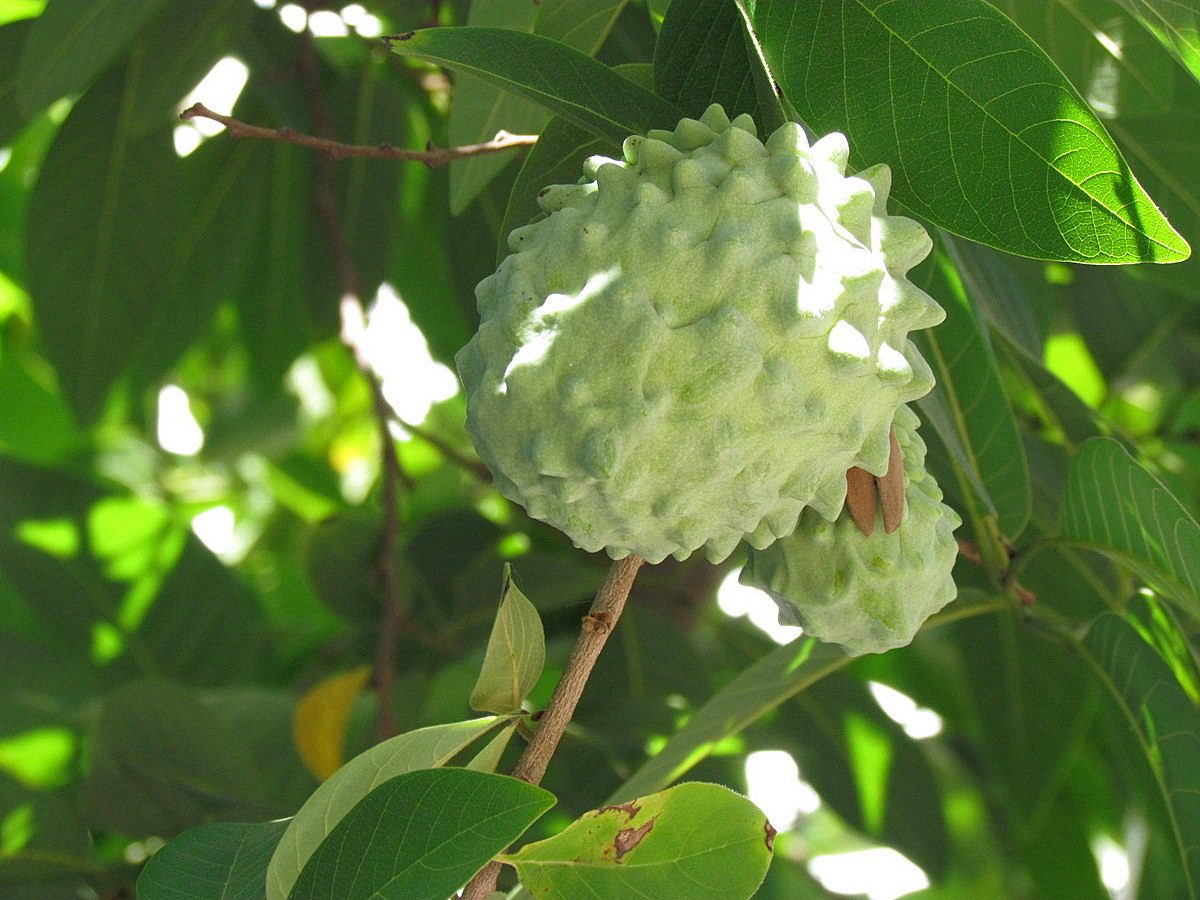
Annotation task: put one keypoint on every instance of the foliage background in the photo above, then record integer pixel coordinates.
(148, 683)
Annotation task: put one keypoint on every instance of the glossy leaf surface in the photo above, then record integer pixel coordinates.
(652, 847)
(420, 836)
(222, 859)
(567, 82)
(332, 801)
(984, 134)
(1113, 504)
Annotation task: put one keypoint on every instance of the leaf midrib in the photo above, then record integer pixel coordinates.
(1102, 136)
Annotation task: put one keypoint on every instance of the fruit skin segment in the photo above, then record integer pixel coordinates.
(868, 593)
(697, 341)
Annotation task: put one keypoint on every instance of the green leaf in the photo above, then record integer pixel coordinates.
(71, 43)
(557, 158)
(103, 224)
(778, 675)
(702, 57)
(422, 749)
(488, 759)
(1162, 147)
(971, 391)
(1116, 506)
(41, 835)
(516, 652)
(203, 626)
(1064, 415)
(692, 840)
(12, 38)
(1151, 112)
(222, 859)
(35, 423)
(176, 51)
(481, 109)
(985, 135)
(281, 275)
(1166, 722)
(1176, 24)
(160, 761)
(340, 555)
(420, 836)
(567, 82)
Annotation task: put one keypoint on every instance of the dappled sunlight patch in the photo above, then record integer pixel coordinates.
(736, 599)
(880, 873)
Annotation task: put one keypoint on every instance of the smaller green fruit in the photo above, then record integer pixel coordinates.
(868, 593)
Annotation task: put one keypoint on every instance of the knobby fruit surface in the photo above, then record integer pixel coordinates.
(868, 593)
(698, 340)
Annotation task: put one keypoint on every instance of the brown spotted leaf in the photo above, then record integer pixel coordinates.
(651, 847)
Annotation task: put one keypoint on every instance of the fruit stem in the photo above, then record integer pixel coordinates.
(598, 624)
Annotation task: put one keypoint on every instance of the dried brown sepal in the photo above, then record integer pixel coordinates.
(860, 498)
(891, 487)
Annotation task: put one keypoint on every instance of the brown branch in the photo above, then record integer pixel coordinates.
(598, 624)
(432, 156)
(456, 456)
(353, 326)
(970, 551)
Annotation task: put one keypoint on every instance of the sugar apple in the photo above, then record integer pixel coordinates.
(869, 593)
(697, 341)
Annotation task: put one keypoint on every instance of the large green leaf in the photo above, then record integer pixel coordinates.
(567, 82)
(985, 135)
(71, 43)
(422, 749)
(778, 675)
(481, 108)
(202, 626)
(702, 56)
(1030, 706)
(222, 859)
(692, 840)
(1166, 722)
(972, 396)
(1135, 85)
(12, 39)
(420, 836)
(1176, 24)
(1116, 506)
(104, 224)
(516, 652)
(160, 761)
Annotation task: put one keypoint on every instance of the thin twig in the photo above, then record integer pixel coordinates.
(970, 551)
(353, 327)
(598, 624)
(432, 156)
(456, 456)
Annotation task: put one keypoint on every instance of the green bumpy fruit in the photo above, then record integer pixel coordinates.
(869, 594)
(697, 341)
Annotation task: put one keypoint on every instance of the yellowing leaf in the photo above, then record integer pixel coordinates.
(319, 723)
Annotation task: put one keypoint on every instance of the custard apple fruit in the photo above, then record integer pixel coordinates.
(697, 341)
(868, 593)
